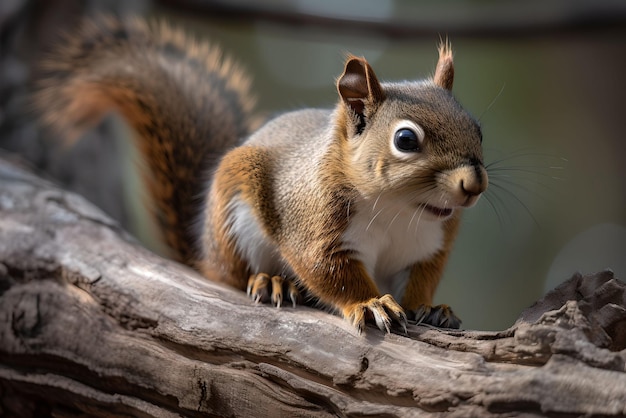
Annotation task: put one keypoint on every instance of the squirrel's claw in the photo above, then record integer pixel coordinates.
(258, 285)
(277, 291)
(440, 316)
(384, 310)
(259, 289)
(293, 292)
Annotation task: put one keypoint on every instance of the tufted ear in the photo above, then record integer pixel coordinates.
(444, 73)
(358, 86)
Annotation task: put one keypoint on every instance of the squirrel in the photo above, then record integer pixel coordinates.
(355, 206)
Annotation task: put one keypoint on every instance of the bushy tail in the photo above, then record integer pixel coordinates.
(187, 103)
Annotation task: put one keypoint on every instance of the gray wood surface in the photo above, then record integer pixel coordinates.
(92, 324)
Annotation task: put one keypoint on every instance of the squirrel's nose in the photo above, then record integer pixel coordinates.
(473, 183)
(466, 183)
(471, 187)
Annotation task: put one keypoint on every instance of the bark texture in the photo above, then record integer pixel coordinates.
(92, 324)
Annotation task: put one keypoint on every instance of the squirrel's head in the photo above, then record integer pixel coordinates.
(410, 140)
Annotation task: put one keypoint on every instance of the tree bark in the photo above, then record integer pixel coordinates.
(93, 324)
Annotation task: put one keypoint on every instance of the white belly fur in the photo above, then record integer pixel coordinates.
(252, 242)
(389, 239)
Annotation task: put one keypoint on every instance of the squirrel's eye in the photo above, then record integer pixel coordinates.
(406, 140)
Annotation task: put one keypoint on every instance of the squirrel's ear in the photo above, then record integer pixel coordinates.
(358, 85)
(444, 74)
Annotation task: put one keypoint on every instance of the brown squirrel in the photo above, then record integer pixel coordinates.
(357, 206)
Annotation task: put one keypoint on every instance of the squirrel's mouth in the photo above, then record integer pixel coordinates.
(438, 212)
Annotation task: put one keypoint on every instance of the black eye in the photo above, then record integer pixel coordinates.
(406, 140)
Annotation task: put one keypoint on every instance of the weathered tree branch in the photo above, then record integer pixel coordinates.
(93, 324)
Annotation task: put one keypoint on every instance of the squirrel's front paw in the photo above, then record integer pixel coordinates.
(384, 310)
(259, 289)
(440, 316)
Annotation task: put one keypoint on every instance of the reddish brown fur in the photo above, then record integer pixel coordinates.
(241, 173)
(156, 77)
(444, 73)
(189, 106)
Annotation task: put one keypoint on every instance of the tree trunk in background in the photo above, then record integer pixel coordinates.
(93, 324)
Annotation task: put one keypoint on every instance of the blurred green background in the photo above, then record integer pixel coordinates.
(545, 78)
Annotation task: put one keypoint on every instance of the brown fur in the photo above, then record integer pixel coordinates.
(295, 185)
(444, 73)
(170, 88)
(242, 172)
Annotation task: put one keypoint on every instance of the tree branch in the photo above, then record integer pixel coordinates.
(92, 323)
